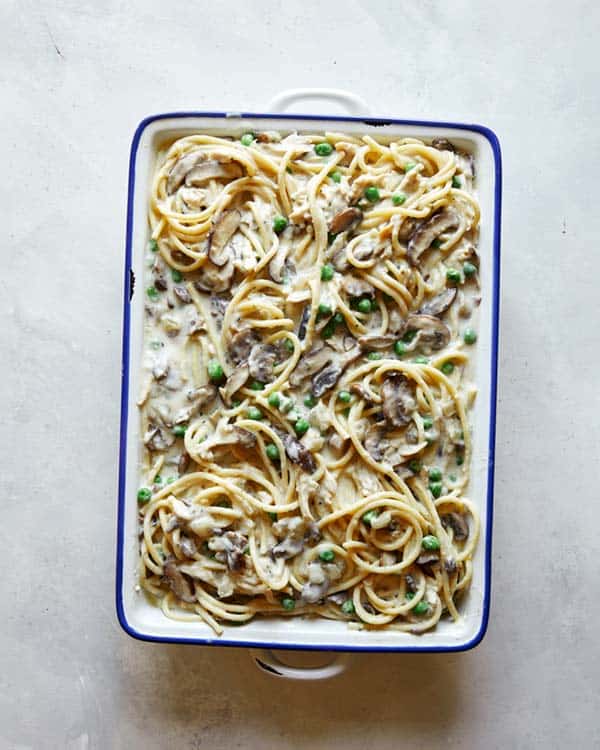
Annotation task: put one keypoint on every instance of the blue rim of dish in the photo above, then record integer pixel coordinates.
(492, 139)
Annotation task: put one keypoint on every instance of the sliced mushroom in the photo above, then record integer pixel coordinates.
(439, 304)
(183, 463)
(310, 363)
(213, 278)
(297, 453)
(212, 170)
(375, 442)
(158, 439)
(442, 144)
(345, 220)
(329, 375)
(357, 287)
(201, 396)
(458, 524)
(178, 583)
(397, 400)
(226, 434)
(303, 323)
(261, 359)
(223, 230)
(441, 221)
(317, 586)
(182, 167)
(229, 548)
(377, 343)
(187, 546)
(234, 382)
(428, 558)
(340, 260)
(241, 345)
(182, 294)
(430, 331)
(294, 533)
(362, 392)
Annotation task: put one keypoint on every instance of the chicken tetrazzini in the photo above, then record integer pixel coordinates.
(310, 309)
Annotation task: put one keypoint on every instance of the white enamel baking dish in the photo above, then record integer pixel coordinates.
(137, 616)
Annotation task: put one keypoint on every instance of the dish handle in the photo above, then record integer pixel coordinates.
(268, 661)
(350, 102)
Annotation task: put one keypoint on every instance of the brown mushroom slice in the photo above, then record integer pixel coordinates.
(325, 379)
(202, 396)
(357, 287)
(442, 144)
(182, 294)
(375, 442)
(310, 363)
(235, 381)
(215, 278)
(223, 230)
(229, 549)
(438, 305)
(182, 167)
(297, 453)
(431, 331)
(397, 400)
(226, 434)
(293, 533)
(187, 545)
(261, 359)
(345, 220)
(377, 343)
(441, 221)
(428, 558)
(362, 392)
(458, 524)
(183, 463)
(178, 583)
(212, 170)
(304, 322)
(241, 345)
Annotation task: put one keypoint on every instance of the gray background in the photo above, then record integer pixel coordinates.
(76, 78)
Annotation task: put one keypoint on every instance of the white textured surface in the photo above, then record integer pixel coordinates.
(76, 77)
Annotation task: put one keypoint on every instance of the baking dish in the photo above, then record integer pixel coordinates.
(143, 620)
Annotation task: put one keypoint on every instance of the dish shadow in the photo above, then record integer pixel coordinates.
(212, 695)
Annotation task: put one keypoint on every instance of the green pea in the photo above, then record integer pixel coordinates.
(170, 480)
(435, 488)
(152, 292)
(327, 555)
(421, 360)
(374, 356)
(398, 199)
(336, 175)
(215, 371)
(409, 166)
(279, 224)
(247, 139)
(409, 336)
(372, 193)
(327, 272)
(409, 595)
(288, 603)
(469, 336)
(323, 149)
(176, 275)
(158, 479)
(430, 542)
(254, 413)
(437, 243)
(453, 275)
(456, 182)
(144, 495)
(155, 345)
(272, 451)
(369, 517)
(338, 319)
(421, 608)
(348, 607)
(310, 401)
(179, 430)
(324, 309)
(274, 400)
(452, 477)
(256, 385)
(447, 368)
(415, 466)
(364, 306)
(153, 246)
(344, 397)
(235, 403)
(427, 423)
(435, 474)
(273, 516)
(400, 348)
(328, 330)
(469, 269)
(289, 345)
(301, 426)
(460, 459)
(331, 237)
